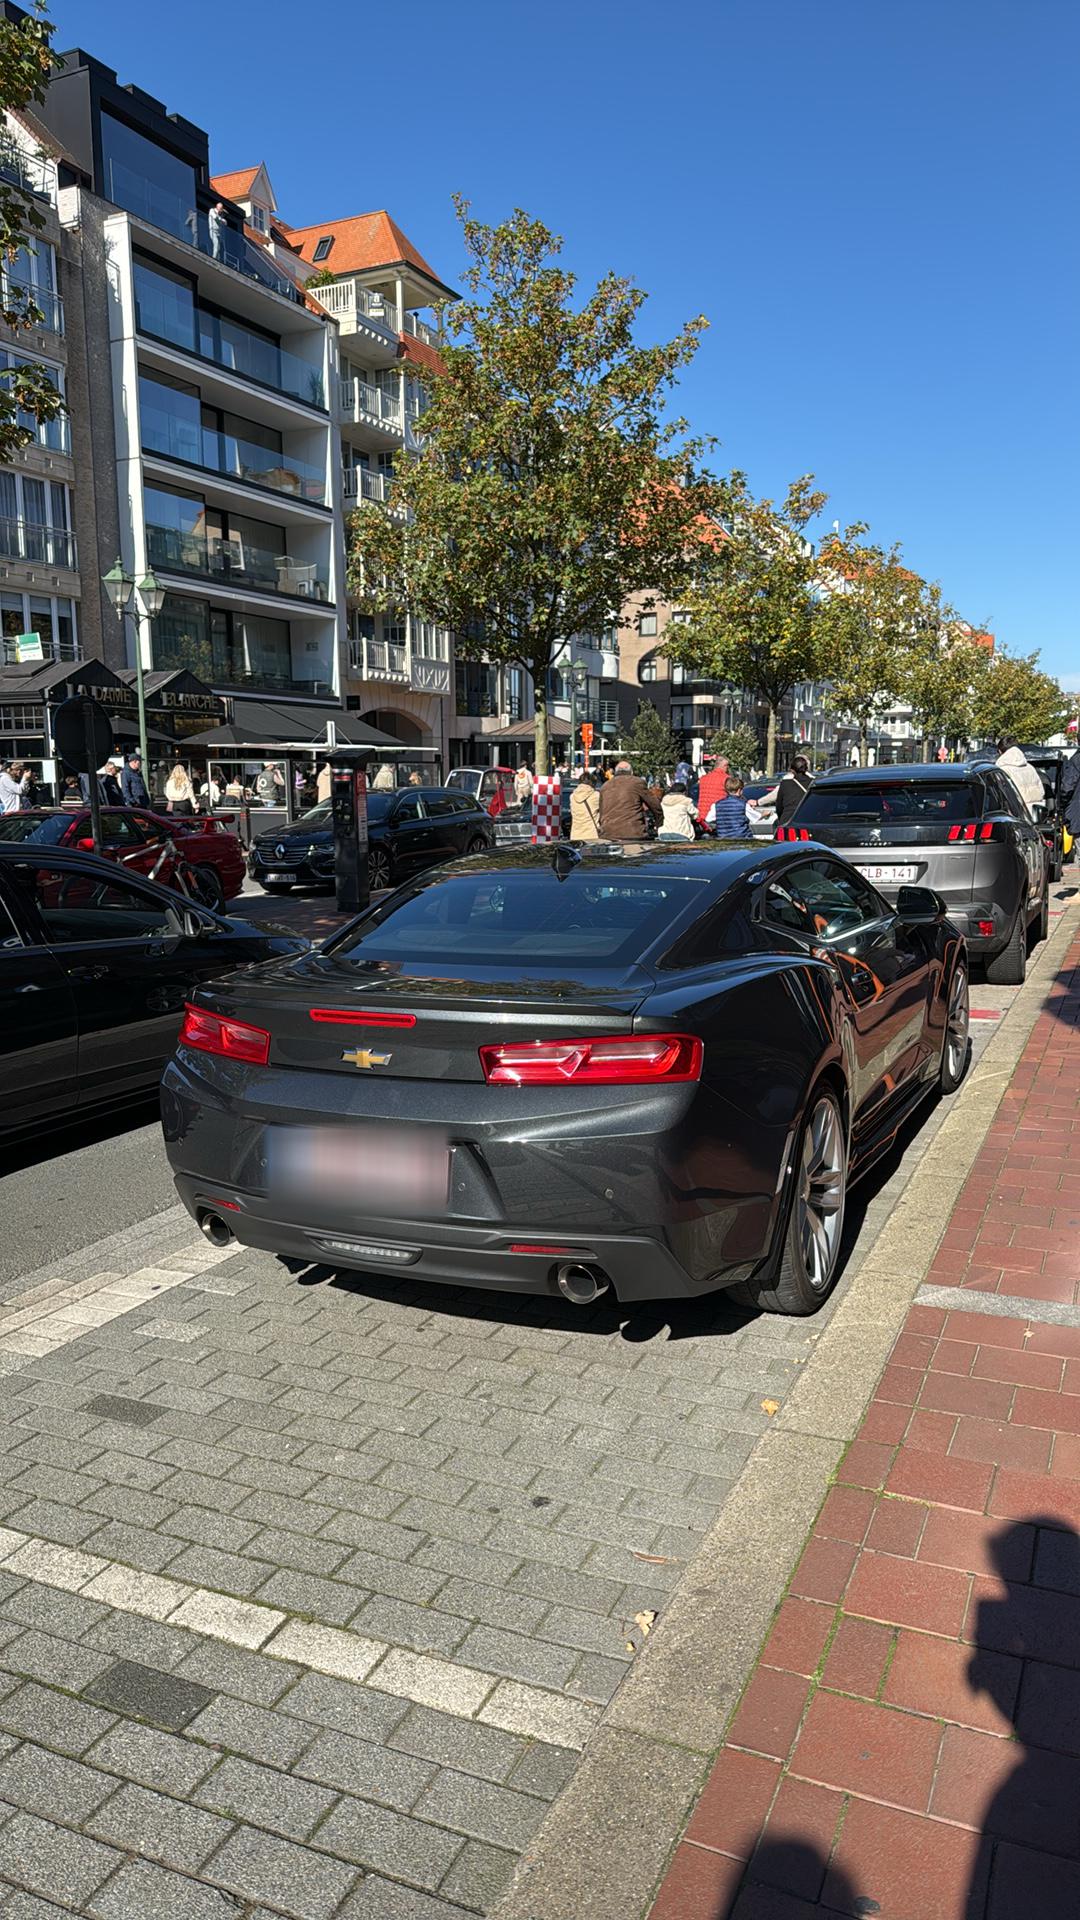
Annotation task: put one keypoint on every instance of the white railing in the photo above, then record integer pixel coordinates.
(379, 659)
(360, 397)
(420, 330)
(430, 676)
(362, 484)
(349, 301)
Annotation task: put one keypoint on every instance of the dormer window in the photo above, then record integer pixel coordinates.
(323, 246)
(258, 218)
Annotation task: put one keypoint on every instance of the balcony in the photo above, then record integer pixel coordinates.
(52, 651)
(420, 330)
(234, 563)
(158, 207)
(357, 309)
(171, 437)
(228, 672)
(35, 545)
(366, 483)
(379, 660)
(361, 404)
(238, 350)
(429, 674)
(22, 299)
(32, 173)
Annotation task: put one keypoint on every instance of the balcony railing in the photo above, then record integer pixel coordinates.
(234, 458)
(353, 305)
(37, 545)
(420, 330)
(217, 669)
(30, 171)
(379, 659)
(159, 207)
(52, 650)
(234, 563)
(212, 338)
(22, 298)
(359, 399)
(362, 483)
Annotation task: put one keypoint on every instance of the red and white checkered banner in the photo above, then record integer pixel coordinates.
(546, 807)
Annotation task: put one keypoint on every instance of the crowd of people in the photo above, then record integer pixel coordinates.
(174, 788)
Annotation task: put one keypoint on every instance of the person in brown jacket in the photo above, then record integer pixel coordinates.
(625, 805)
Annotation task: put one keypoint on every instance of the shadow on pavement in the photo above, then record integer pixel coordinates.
(37, 1148)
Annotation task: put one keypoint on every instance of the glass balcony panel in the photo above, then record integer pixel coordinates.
(235, 561)
(29, 541)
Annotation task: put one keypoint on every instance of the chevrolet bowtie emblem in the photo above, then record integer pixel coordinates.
(360, 1057)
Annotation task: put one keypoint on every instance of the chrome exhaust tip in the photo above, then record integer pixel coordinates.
(580, 1285)
(217, 1230)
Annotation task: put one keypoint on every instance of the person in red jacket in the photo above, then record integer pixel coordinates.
(712, 787)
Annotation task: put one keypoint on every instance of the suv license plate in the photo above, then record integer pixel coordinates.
(889, 876)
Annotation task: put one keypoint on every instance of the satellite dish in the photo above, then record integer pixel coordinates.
(82, 734)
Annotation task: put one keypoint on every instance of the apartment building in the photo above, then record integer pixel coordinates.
(693, 705)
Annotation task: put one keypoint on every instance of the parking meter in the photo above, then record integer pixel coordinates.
(348, 803)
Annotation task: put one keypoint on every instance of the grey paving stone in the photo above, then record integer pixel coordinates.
(472, 1563)
(68, 1526)
(152, 1757)
(41, 1656)
(374, 1536)
(481, 1810)
(326, 1702)
(149, 1695)
(478, 1876)
(39, 1713)
(134, 1546)
(201, 1490)
(331, 1602)
(27, 1906)
(222, 1572)
(392, 1578)
(47, 1783)
(493, 1651)
(149, 1642)
(589, 1632)
(203, 1528)
(46, 1859)
(135, 1413)
(53, 1484)
(298, 1550)
(544, 1770)
(462, 1744)
(240, 1728)
(52, 1610)
(426, 1629)
(370, 1771)
(388, 1842)
(150, 1823)
(264, 1797)
(596, 1678)
(141, 1891)
(493, 1606)
(293, 1879)
(384, 1900)
(134, 1504)
(127, 1470)
(234, 1670)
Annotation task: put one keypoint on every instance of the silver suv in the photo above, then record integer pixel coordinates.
(961, 829)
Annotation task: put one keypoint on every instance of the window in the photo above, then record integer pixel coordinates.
(76, 906)
(896, 807)
(782, 906)
(165, 304)
(439, 809)
(258, 219)
(147, 179)
(323, 246)
(647, 626)
(54, 434)
(407, 809)
(119, 830)
(838, 899)
(646, 672)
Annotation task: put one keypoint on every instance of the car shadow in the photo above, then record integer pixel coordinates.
(37, 1147)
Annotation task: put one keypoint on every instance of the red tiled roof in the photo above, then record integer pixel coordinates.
(234, 186)
(363, 241)
(414, 349)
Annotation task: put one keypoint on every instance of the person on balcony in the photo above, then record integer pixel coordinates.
(219, 226)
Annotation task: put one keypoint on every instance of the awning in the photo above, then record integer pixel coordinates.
(525, 730)
(257, 724)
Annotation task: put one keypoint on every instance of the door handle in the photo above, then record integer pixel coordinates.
(30, 987)
(88, 973)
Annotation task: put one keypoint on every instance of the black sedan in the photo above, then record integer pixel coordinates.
(95, 967)
(656, 1069)
(412, 828)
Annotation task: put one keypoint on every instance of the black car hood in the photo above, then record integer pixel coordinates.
(294, 841)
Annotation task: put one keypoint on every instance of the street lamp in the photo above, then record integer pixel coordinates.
(143, 597)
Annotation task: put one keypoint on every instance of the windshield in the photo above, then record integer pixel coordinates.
(915, 803)
(320, 819)
(522, 918)
(47, 828)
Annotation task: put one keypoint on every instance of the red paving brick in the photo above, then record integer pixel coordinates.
(974, 1544)
(1000, 1444)
(857, 1657)
(913, 1869)
(846, 1514)
(942, 1478)
(822, 1573)
(938, 1677)
(699, 1885)
(798, 1839)
(734, 1803)
(908, 1593)
(897, 1527)
(798, 1636)
(1029, 1496)
(864, 1749)
(769, 1712)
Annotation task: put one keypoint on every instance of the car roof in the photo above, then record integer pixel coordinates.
(712, 860)
(924, 773)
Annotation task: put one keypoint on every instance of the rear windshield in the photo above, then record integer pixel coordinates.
(48, 829)
(899, 804)
(524, 918)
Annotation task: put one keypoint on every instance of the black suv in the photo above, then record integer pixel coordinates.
(961, 829)
(408, 829)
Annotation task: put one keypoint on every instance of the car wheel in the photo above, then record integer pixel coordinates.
(811, 1256)
(1009, 967)
(378, 869)
(277, 886)
(207, 885)
(1041, 924)
(954, 1052)
(477, 845)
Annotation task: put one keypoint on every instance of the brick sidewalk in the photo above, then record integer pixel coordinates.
(909, 1744)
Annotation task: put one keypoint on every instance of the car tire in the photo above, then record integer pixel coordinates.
(1040, 926)
(956, 1046)
(477, 845)
(379, 870)
(1009, 967)
(277, 886)
(810, 1260)
(207, 886)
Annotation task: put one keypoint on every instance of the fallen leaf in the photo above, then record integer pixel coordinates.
(654, 1559)
(770, 1407)
(630, 1647)
(645, 1620)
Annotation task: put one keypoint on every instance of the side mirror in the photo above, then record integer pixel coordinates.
(919, 906)
(86, 845)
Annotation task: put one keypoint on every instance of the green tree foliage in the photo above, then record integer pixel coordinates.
(876, 619)
(26, 62)
(648, 743)
(739, 746)
(754, 608)
(548, 484)
(941, 685)
(1015, 696)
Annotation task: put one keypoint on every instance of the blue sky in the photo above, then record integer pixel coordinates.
(874, 204)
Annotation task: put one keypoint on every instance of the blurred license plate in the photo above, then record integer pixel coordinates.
(361, 1170)
(279, 876)
(889, 876)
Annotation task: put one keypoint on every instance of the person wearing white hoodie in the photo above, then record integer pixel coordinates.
(1014, 762)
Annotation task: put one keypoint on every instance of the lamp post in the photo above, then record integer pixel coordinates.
(577, 674)
(144, 597)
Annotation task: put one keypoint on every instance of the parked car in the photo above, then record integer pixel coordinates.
(95, 968)
(554, 1071)
(513, 826)
(408, 829)
(959, 828)
(139, 840)
(1049, 763)
(484, 783)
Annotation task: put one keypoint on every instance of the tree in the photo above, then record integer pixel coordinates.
(548, 485)
(648, 743)
(753, 611)
(941, 686)
(876, 618)
(26, 62)
(739, 746)
(1015, 696)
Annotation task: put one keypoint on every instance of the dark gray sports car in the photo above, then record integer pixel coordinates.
(654, 1068)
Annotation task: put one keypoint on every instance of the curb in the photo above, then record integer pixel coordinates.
(603, 1846)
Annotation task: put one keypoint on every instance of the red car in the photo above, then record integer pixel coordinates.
(135, 838)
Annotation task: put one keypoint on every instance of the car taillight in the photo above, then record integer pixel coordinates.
(233, 1039)
(972, 830)
(793, 833)
(651, 1060)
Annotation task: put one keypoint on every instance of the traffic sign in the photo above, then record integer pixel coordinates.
(82, 734)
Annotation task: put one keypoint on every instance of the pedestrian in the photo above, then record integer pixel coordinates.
(727, 817)
(219, 227)
(384, 778)
(1013, 761)
(678, 814)
(72, 794)
(522, 783)
(585, 810)
(416, 779)
(179, 792)
(110, 784)
(712, 785)
(15, 785)
(790, 792)
(133, 789)
(211, 790)
(627, 808)
(235, 791)
(323, 784)
(267, 784)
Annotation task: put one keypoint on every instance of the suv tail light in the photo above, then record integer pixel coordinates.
(974, 830)
(232, 1039)
(654, 1059)
(793, 833)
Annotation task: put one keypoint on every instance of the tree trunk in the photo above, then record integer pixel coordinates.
(770, 744)
(541, 749)
(864, 748)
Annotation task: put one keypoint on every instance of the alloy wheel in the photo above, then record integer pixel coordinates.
(956, 1040)
(819, 1199)
(378, 870)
